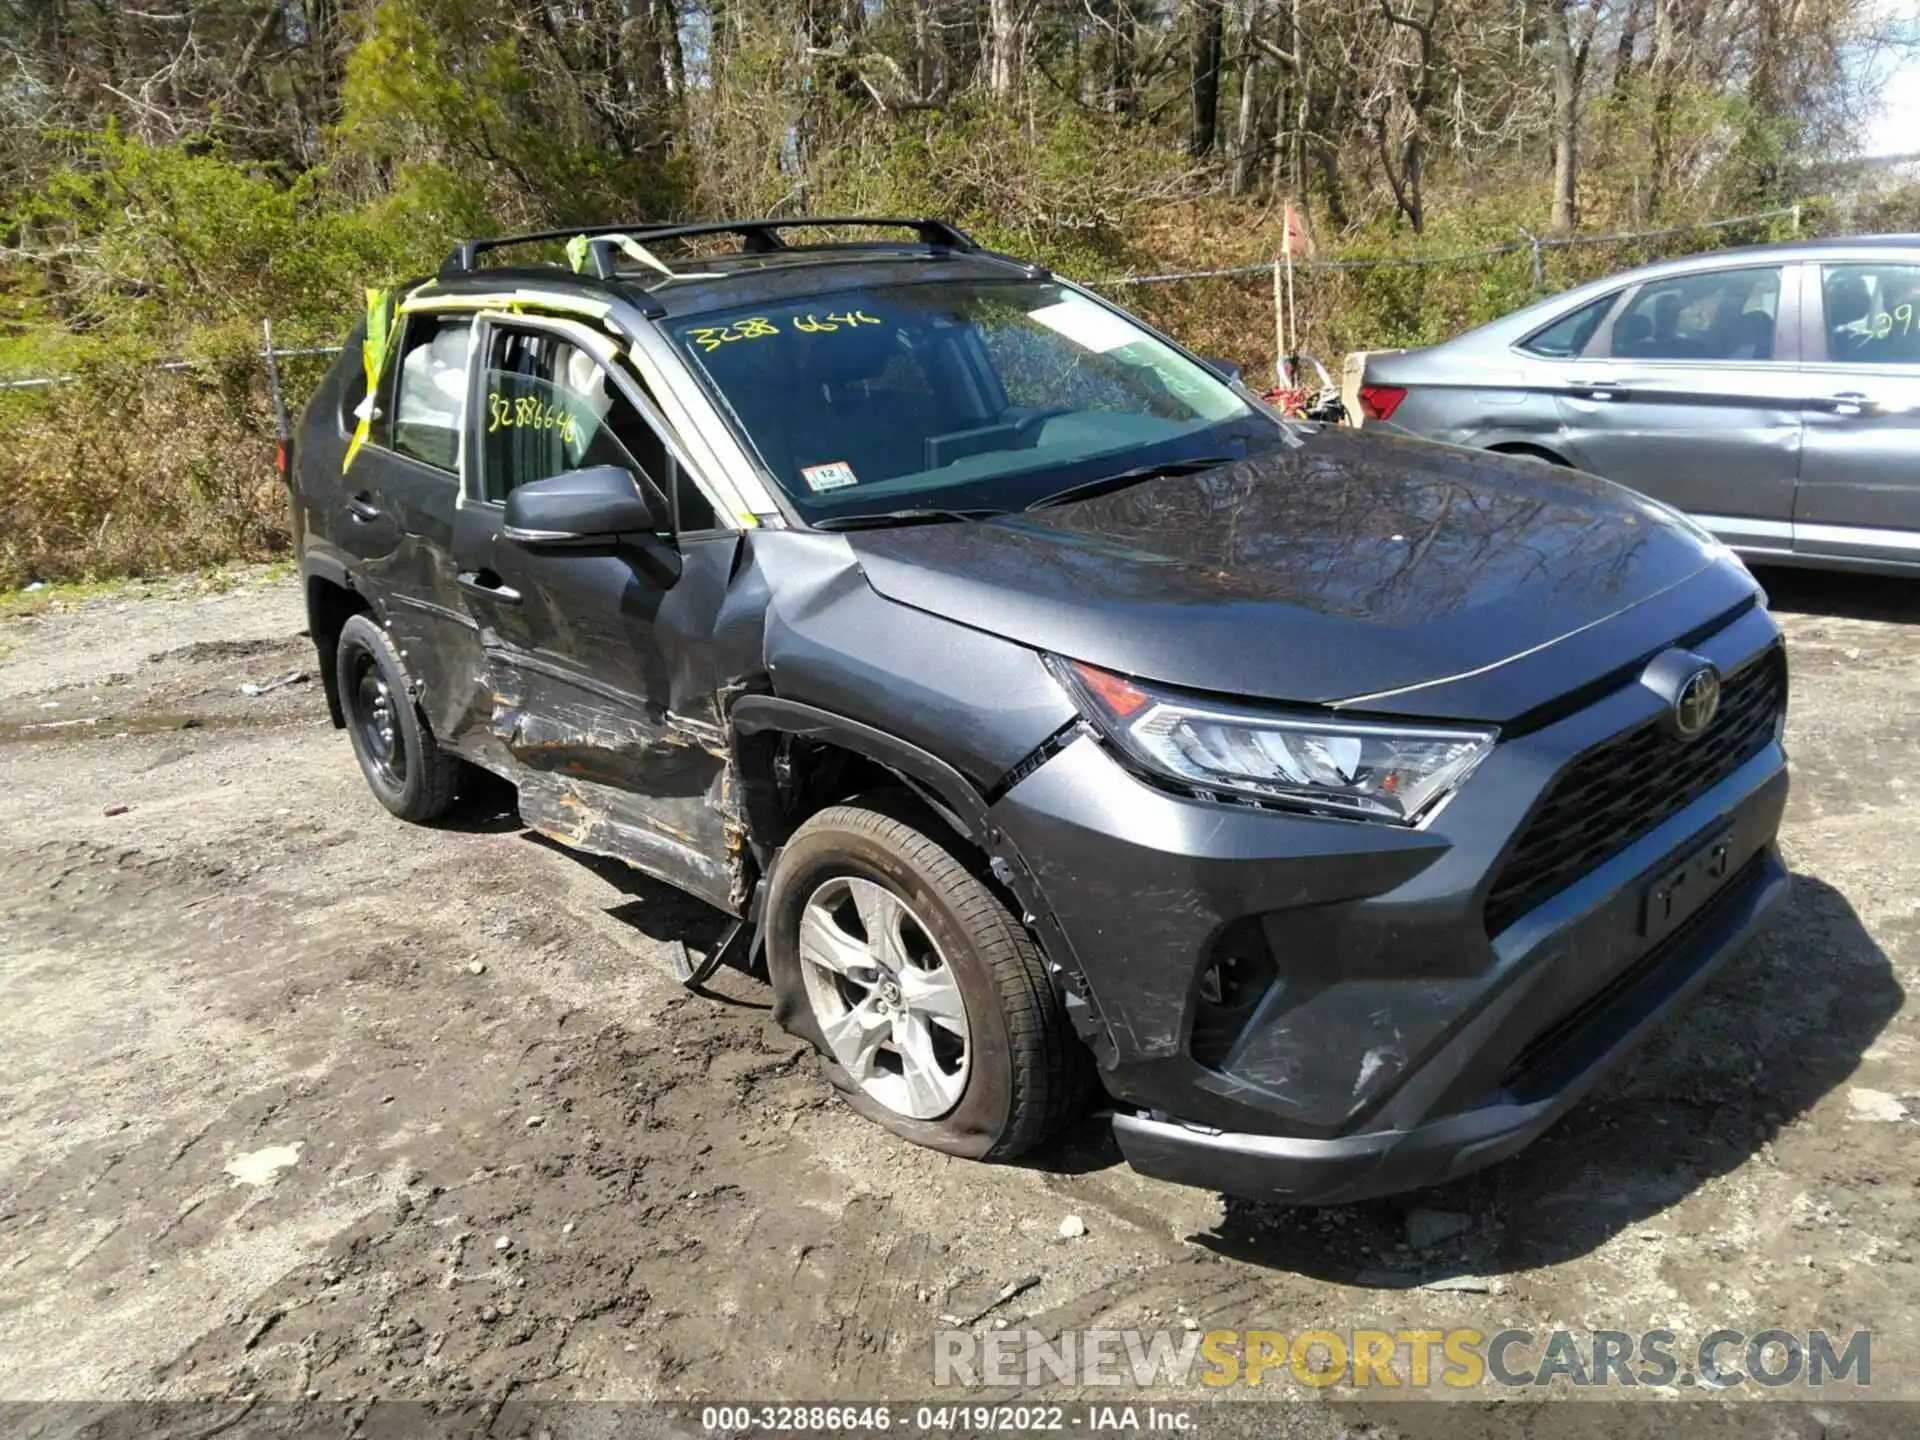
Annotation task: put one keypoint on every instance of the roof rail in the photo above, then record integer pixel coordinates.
(757, 236)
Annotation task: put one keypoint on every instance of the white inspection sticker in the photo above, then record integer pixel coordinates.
(834, 475)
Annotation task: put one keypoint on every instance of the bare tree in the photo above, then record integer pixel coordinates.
(1205, 19)
(1570, 29)
(1398, 109)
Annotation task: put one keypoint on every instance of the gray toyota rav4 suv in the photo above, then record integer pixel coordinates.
(1040, 706)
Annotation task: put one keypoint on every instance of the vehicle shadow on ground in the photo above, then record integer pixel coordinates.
(1841, 595)
(487, 805)
(654, 908)
(1085, 1147)
(491, 806)
(1782, 1026)
(671, 917)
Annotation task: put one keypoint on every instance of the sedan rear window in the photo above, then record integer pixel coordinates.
(1568, 336)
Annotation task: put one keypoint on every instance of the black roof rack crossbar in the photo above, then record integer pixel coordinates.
(758, 236)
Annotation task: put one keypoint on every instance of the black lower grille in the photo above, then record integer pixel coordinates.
(1553, 1057)
(1618, 791)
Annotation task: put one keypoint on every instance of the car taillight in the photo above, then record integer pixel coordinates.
(283, 460)
(1378, 402)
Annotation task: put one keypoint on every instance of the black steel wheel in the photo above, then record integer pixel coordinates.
(405, 767)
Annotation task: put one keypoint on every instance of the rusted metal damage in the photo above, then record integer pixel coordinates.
(605, 821)
(617, 780)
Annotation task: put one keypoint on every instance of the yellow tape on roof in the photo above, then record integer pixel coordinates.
(509, 300)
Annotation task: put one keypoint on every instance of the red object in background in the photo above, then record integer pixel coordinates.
(1297, 242)
(1288, 400)
(1378, 402)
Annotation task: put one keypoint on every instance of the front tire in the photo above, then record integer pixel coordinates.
(404, 765)
(927, 999)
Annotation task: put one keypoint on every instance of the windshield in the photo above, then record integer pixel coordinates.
(977, 395)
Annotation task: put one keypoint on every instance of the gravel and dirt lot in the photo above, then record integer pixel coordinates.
(299, 1101)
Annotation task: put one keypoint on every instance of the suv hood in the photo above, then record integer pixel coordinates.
(1349, 567)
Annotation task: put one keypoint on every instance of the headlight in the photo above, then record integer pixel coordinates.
(1381, 772)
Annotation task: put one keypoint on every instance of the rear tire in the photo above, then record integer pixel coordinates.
(993, 1081)
(405, 767)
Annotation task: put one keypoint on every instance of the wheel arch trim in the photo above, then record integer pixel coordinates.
(924, 772)
(320, 574)
(760, 714)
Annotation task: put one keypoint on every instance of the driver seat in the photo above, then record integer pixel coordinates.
(863, 399)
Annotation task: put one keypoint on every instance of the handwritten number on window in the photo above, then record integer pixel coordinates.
(711, 337)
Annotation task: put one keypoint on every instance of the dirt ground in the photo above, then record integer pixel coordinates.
(488, 1149)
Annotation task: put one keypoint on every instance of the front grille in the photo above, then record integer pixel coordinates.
(1618, 791)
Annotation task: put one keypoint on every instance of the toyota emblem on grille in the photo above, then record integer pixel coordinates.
(1698, 701)
(1690, 686)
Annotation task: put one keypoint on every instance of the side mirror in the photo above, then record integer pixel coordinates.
(1225, 369)
(580, 507)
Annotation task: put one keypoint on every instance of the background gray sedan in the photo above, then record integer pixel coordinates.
(1772, 392)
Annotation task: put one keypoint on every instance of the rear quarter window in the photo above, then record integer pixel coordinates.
(1568, 336)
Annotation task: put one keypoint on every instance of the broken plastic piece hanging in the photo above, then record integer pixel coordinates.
(373, 353)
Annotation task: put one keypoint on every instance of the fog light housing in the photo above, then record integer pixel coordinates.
(1237, 977)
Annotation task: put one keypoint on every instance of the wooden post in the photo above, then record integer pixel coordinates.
(1293, 311)
(1279, 329)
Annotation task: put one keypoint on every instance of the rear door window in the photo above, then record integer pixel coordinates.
(1720, 315)
(430, 390)
(1872, 313)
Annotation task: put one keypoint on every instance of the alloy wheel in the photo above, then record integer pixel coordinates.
(887, 1002)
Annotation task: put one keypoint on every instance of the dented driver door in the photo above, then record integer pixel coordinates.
(583, 644)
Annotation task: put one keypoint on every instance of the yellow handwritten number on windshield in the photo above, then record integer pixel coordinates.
(812, 324)
(711, 337)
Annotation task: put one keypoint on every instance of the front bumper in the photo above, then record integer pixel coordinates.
(1383, 1162)
(1385, 1040)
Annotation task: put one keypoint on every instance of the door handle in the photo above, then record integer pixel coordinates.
(361, 507)
(1602, 390)
(485, 582)
(1848, 402)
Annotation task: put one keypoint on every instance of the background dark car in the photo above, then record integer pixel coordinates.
(1773, 393)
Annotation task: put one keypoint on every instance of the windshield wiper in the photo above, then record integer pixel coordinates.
(883, 519)
(1087, 489)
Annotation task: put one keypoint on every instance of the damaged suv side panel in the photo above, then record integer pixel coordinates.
(628, 760)
(658, 784)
